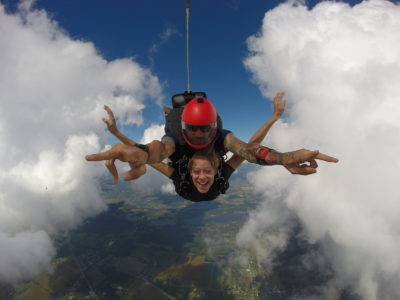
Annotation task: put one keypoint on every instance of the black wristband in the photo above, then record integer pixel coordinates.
(145, 148)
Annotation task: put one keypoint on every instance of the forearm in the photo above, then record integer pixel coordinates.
(124, 139)
(236, 160)
(278, 158)
(248, 152)
(240, 148)
(272, 157)
(262, 132)
(163, 168)
(154, 149)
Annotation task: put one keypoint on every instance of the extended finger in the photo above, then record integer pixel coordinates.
(109, 112)
(102, 156)
(110, 164)
(106, 108)
(327, 158)
(279, 95)
(306, 155)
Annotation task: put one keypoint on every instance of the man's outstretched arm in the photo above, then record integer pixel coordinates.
(301, 162)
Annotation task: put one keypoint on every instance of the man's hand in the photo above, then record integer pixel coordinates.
(279, 105)
(134, 156)
(303, 161)
(110, 122)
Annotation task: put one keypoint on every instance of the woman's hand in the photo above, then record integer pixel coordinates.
(110, 122)
(279, 105)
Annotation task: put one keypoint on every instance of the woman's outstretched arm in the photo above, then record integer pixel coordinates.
(279, 107)
(112, 127)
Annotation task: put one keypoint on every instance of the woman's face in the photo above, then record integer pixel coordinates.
(202, 174)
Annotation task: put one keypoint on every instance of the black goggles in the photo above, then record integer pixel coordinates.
(202, 128)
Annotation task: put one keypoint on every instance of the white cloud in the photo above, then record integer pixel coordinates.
(52, 92)
(154, 132)
(340, 68)
(164, 37)
(168, 188)
(28, 253)
(153, 182)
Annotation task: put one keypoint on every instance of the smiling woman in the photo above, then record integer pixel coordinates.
(208, 177)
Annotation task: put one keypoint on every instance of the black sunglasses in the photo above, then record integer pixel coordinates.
(202, 128)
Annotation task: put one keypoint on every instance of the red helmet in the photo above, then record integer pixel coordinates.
(199, 123)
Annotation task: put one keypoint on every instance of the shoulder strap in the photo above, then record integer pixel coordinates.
(182, 166)
(220, 180)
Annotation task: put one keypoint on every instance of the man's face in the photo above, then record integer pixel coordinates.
(202, 174)
(198, 137)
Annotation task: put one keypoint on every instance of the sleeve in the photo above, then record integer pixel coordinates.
(227, 171)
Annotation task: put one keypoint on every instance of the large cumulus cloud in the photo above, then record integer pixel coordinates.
(52, 92)
(340, 68)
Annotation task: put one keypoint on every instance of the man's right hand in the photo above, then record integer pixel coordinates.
(303, 161)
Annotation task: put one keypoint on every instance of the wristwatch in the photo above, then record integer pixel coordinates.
(145, 148)
(260, 154)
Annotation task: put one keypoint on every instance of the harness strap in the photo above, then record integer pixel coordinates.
(220, 180)
(182, 171)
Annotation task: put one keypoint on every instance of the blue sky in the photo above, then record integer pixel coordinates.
(218, 33)
(339, 67)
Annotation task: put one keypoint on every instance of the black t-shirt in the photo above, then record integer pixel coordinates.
(192, 194)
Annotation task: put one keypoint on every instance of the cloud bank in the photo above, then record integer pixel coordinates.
(340, 68)
(52, 92)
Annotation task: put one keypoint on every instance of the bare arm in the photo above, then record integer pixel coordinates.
(301, 161)
(279, 107)
(240, 148)
(113, 129)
